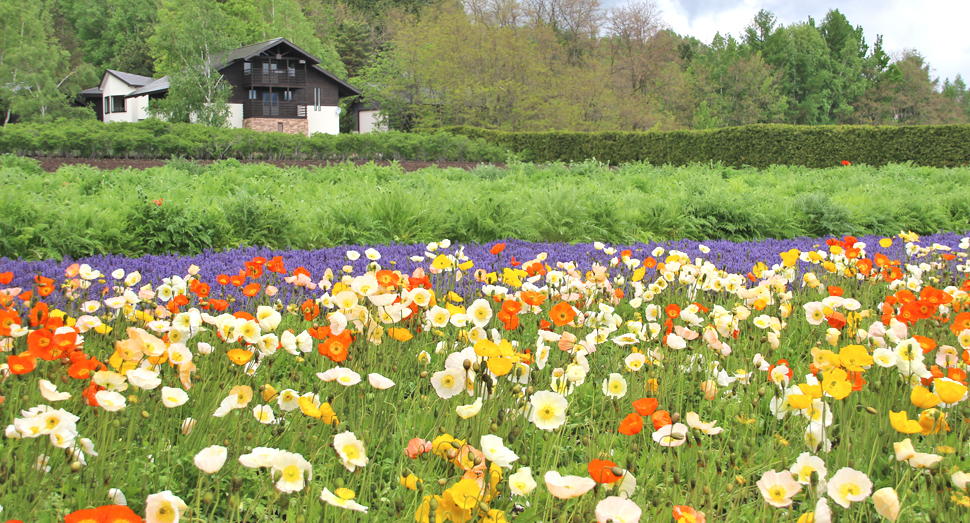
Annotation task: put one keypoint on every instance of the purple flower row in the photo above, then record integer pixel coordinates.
(730, 256)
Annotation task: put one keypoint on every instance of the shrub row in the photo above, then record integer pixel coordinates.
(157, 139)
(754, 145)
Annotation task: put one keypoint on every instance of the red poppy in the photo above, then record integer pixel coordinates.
(497, 248)
(6, 278)
(243, 315)
(90, 392)
(602, 471)
(562, 313)
(845, 163)
(514, 263)
(107, 514)
(836, 320)
(645, 406)
(632, 424)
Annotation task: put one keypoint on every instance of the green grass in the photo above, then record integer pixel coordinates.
(80, 210)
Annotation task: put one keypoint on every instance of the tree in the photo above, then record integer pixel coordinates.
(36, 77)
(262, 20)
(114, 34)
(190, 41)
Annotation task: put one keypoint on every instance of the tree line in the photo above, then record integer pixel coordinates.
(513, 65)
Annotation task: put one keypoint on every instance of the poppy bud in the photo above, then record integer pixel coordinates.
(675, 417)
(617, 471)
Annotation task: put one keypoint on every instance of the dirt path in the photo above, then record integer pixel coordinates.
(52, 164)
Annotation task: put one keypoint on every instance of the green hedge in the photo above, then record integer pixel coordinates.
(755, 145)
(157, 139)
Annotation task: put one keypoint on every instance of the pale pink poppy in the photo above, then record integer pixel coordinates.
(416, 447)
(686, 333)
(615, 509)
(565, 487)
(567, 341)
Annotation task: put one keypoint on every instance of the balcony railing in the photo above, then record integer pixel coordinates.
(260, 109)
(258, 76)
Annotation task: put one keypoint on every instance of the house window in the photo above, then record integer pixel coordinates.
(288, 96)
(107, 105)
(317, 99)
(279, 126)
(117, 104)
(247, 68)
(252, 94)
(290, 69)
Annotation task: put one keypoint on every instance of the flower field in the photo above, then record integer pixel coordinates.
(783, 380)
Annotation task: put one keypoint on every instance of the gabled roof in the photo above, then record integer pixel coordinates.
(92, 92)
(156, 86)
(249, 51)
(343, 88)
(133, 80)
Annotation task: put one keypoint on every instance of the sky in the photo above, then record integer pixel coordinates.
(936, 28)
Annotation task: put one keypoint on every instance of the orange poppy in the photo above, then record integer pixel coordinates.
(660, 419)
(107, 513)
(6, 278)
(219, 305)
(243, 315)
(38, 315)
(864, 266)
(202, 290)
(21, 364)
(835, 290)
(836, 320)
(82, 369)
(685, 514)
(8, 318)
(40, 344)
(319, 333)
(533, 298)
(240, 356)
(645, 406)
(672, 310)
(237, 281)
(497, 248)
(650, 262)
(632, 424)
(335, 347)
(602, 471)
(881, 260)
(387, 279)
(253, 270)
(276, 265)
(310, 310)
(536, 268)
(222, 279)
(927, 344)
(562, 313)
(251, 290)
(90, 392)
(960, 323)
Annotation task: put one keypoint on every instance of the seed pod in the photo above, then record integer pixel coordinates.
(675, 417)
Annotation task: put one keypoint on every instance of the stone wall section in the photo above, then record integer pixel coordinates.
(290, 125)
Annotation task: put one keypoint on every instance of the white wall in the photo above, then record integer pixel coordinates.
(326, 120)
(368, 122)
(236, 116)
(135, 108)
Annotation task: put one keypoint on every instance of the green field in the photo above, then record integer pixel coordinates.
(80, 210)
